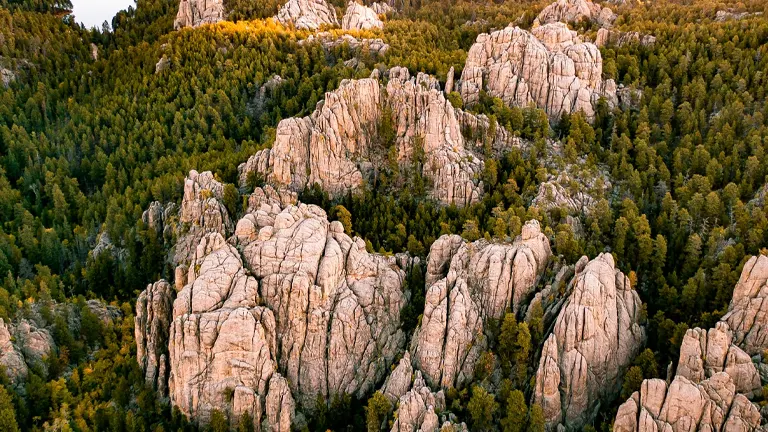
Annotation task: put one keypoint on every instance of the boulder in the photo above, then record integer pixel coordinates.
(468, 284)
(595, 338)
(550, 68)
(307, 14)
(194, 13)
(11, 358)
(360, 17)
(574, 11)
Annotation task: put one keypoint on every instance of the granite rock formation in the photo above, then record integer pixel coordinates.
(606, 37)
(550, 68)
(467, 284)
(596, 336)
(747, 314)
(194, 13)
(360, 17)
(307, 14)
(339, 144)
(574, 11)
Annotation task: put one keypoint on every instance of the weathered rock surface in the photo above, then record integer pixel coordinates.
(7, 77)
(468, 283)
(575, 11)
(747, 314)
(382, 8)
(705, 353)
(11, 359)
(578, 193)
(288, 310)
(606, 37)
(338, 145)
(202, 212)
(162, 64)
(307, 14)
(596, 336)
(710, 405)
(193, 13)
(151, 325)
(550, 68)
(360, 17)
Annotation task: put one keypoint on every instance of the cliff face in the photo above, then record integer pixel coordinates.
(340, 143)
(549, 67)
(596, 336)
(715, 375)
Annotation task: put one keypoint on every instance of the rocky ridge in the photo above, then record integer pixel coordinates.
(607, 37)
(576, 373)
(574, 11)
(549, 67)
(339, 144)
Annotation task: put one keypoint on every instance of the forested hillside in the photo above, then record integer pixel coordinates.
(97, 124)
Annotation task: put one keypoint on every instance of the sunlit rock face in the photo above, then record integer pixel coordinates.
(307, 14)
(194, 13)
(549, 67)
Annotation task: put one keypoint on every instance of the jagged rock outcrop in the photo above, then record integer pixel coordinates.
(710, 405)
(360, 17)
(288, 310)
(382, 8)
(575, 11)
(23, 345)
(339, 144)
(307, 14)
(151, 325)
(715, 375)
(550, 68)
(193, 13)
(467, 284)
(202, 212)
(747, 314)
(596, 336)
(705, 353)
(606, 37)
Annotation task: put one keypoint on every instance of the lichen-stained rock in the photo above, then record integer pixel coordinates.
(705, 353)
(606, 37)
(574, 11)
(596, 336)
(193, 13)
(202, 212)
(337, 307)
(560, 76)
(481, 282)
(710, 405)
(747, 314)
(11, 359)
(7, 76)
(338, 145)
(360, 17)
(307, 14)
(151, 325)
(35, 343)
